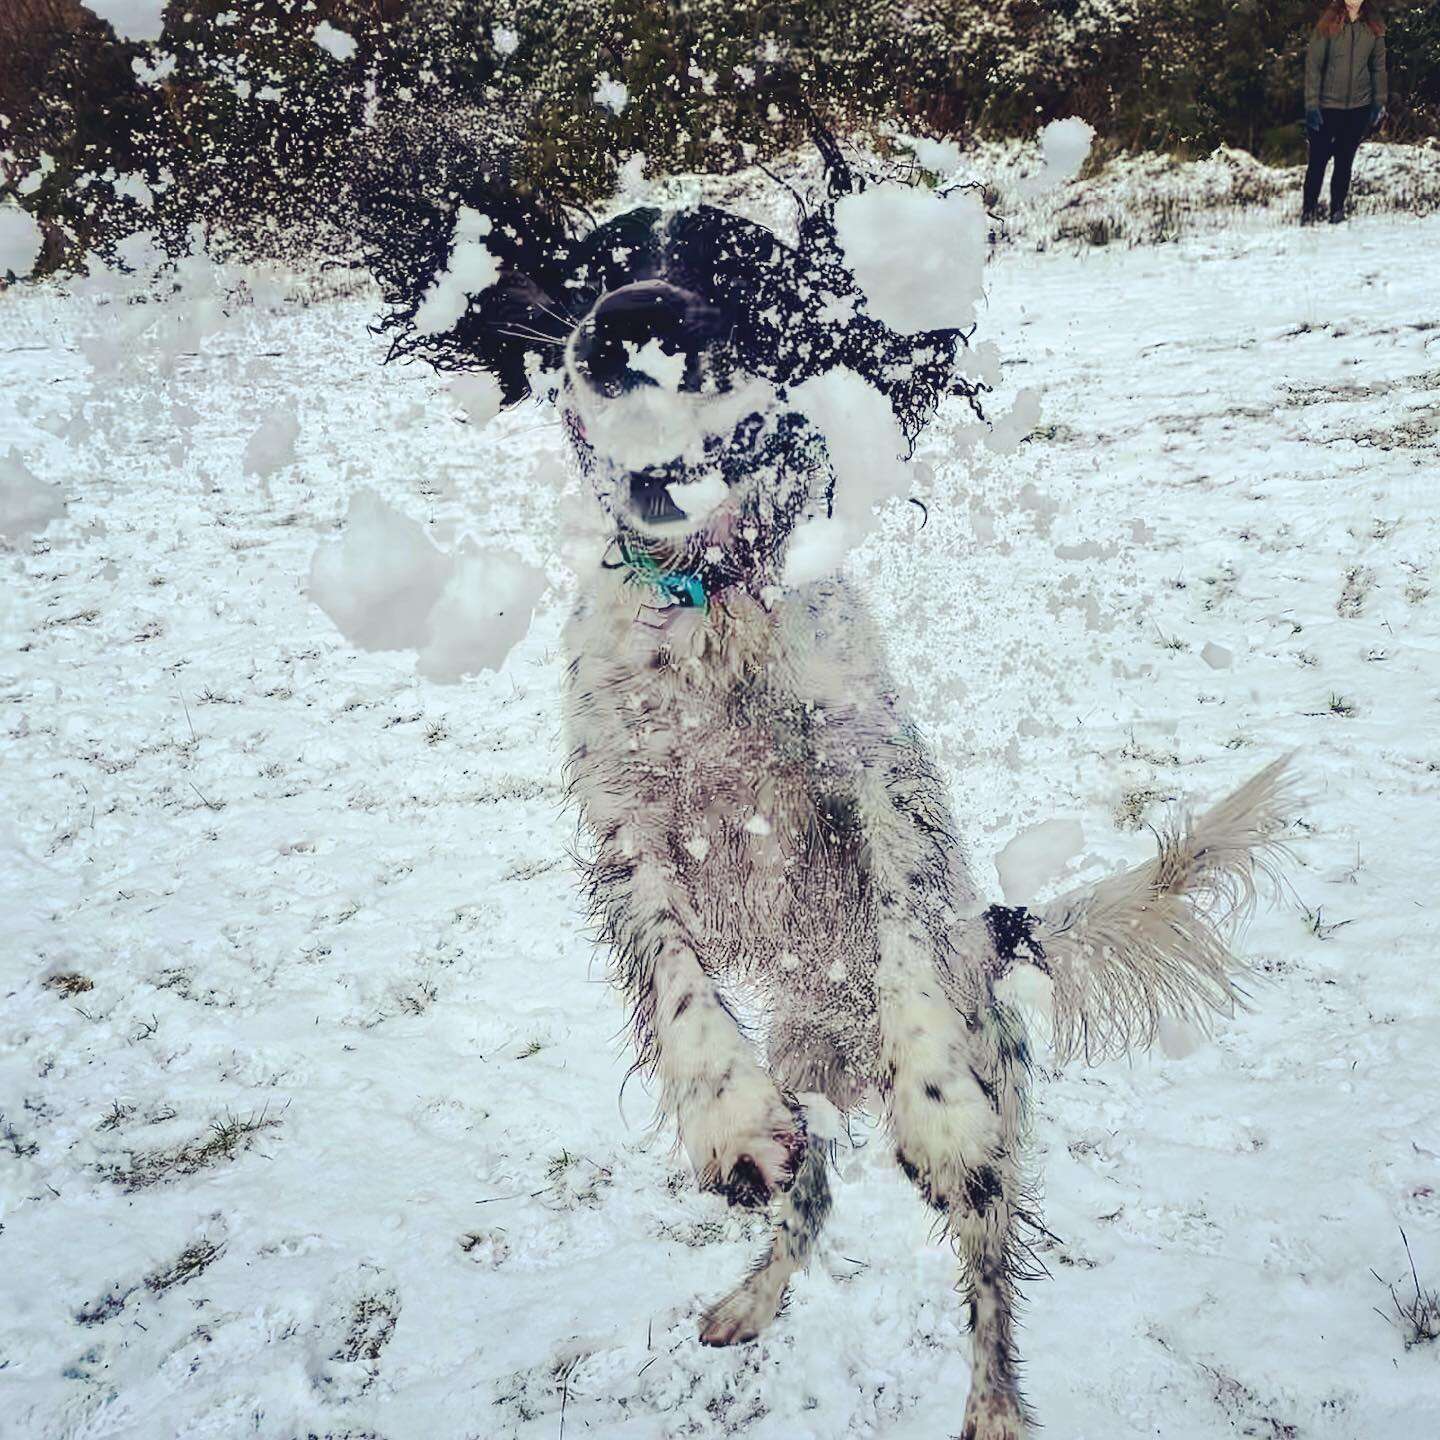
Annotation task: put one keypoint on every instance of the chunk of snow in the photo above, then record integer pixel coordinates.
(940, 157)
(918, 256)
(1006, 433)
(27, 503)
(381, 579)
(482, 614)
(630, 181)
(866, 449)
(131, 19)
(20, 241)
(387, 586)
(697, 498)
(505, 40)
(1217, 657)
(1036, 856)
(613, 94)
(1065, 144)
(472, 268)
(272, 446)
(334, 42)
(478, 395)
(667, 371)
(136, 189)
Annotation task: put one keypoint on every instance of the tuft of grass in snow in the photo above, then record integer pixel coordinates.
(372, 1322)
(1316, 924)
(1419, 1316)
(69, 984)
(1129, 814)
(193, 1260)
(10, 1138)
(227, 1137)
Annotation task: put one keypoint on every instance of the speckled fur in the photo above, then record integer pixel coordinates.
(767, 824)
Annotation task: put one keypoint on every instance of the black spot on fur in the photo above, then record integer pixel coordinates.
(912, 1173)
(986, 1088)
(933, 1092)
(745, 1186)
(683, 1004)
(982, 1188)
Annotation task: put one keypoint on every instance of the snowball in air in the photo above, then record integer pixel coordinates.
(20, 241)
(482, 614)
(472, 268)
(918, 256)
(381, 579)
(27, 503)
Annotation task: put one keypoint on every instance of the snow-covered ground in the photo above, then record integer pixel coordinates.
(313, 1118)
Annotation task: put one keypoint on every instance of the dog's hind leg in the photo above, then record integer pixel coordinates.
(801, 1212)
(954, 1081)
(743, 1136)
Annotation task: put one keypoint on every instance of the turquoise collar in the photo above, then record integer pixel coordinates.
(680, 587)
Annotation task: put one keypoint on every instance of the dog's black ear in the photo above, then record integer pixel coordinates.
(410, 205)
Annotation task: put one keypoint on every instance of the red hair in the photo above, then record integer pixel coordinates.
(1333, 20)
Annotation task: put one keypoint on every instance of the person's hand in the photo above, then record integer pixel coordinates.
(1314, 121)
(1377, 114)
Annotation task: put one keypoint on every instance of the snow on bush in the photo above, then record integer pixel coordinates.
(611, 93)
(27, 503)
(334, 42)
(20, 240)
(386, 586)
(866, 449)
(472, 268)
(131, 19)
(482, 614)
(272, 446)
(918, 256)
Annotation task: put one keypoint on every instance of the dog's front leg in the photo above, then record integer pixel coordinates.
(742, 1136)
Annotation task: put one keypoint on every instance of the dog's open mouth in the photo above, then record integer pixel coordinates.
(650, 497)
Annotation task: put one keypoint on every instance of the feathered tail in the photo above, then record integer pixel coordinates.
(1153, 941)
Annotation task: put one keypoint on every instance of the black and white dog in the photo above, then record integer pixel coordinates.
(764, 816)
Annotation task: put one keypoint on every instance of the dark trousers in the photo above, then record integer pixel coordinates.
(1338, 139)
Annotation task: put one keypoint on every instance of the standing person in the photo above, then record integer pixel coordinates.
(1345, 93)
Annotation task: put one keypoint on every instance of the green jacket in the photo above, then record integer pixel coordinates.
(1345, 71)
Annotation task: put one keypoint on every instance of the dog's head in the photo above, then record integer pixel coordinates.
(672, 340)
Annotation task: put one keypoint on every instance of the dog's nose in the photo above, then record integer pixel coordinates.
(628, 319)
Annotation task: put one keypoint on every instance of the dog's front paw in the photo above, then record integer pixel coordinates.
(743, 1138)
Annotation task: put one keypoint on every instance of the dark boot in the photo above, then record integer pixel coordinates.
(1310, 215)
